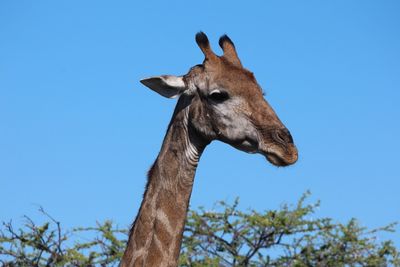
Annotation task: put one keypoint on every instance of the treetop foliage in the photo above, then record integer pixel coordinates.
(224, 236)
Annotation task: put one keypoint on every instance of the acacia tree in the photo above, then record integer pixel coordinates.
(224, 236)
(285, 237)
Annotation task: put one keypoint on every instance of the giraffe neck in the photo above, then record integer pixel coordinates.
(156, 235)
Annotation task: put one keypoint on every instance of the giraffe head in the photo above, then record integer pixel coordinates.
(227, 104)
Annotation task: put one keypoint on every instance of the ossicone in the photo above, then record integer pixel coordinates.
(204, 44)
(229, 50)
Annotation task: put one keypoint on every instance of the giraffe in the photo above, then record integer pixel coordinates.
(218, 100)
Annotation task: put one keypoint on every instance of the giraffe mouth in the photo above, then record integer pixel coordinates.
(276, 160)
(281, 157)
(276, 154)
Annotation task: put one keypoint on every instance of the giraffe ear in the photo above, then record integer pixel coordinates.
(166, 85)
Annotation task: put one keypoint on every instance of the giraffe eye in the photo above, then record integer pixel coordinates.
(218, 96)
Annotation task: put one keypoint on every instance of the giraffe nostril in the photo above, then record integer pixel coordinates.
(279, 137)
(283, 136)
(289, 137)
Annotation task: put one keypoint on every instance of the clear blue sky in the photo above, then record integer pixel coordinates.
(78, 131)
